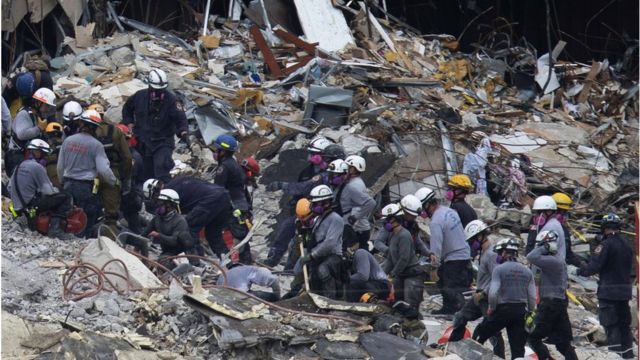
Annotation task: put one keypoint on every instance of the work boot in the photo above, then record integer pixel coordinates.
(329, 288)
(55, 231)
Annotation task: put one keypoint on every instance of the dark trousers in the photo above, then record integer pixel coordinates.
(11, 159)
(111, 199)
(285, 231)
(240, 231)
(81, 192)
(511, 317)
(157, 163)
(455, 279)
(472, 311)
(363, 239)
(357, 288)
(265, 295)
(131, 205)
(615, 317)
(325, 275)
(59, 204)
(552, 323)
(214, 218)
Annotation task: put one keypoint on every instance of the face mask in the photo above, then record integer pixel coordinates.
(323, 166)
(423, 214)
(449, 195)
(337, 180)
(539, 220)
(561, 218)
(161, 210)
(500, 259)
(47, 111)
(156, 95)
(476, 245)
(388, 226)
(318, 209)
(216, 156)
(316, 159)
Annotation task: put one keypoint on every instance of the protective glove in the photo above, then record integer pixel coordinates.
(118, 183)
(390, 279)
(274, 186)
(351, 219)
(478, 296)
(126, 187)
(306, 259)
(184, 137)
(42, 124)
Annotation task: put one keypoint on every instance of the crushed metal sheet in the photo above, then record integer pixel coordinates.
(231, 303)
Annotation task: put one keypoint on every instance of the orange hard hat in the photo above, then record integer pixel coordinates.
(251, 165)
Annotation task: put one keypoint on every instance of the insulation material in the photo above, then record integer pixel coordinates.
(324, 24)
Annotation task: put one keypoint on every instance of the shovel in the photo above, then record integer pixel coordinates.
(305, 272)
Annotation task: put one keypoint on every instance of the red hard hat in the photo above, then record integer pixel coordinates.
(251, 165)
(125, 130)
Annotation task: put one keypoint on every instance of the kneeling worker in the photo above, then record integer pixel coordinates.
(367, 277)
(242, 277)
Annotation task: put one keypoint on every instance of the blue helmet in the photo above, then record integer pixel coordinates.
(25, 84)
(226, 142)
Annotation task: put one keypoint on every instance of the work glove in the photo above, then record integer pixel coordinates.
(478, 296)
(306, 259)
(42, 124)
(117, 183)
(351, 219)
(274, 186)
(126, 187)
(390, 279)
(184, 137)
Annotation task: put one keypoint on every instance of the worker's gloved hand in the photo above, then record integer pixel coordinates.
(126, 187)
(118, 183)
(274, 186)
(154, 234)
(306, 259)
(390, 279)
(42, 124)
(351, 219)
(184, 137)
(478, 296)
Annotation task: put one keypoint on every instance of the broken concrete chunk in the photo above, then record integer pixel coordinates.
(470, 350)
(122, 56)
(384, 346)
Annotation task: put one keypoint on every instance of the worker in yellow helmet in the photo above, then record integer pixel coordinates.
(563, 203)
(54, 135)
(459, 186)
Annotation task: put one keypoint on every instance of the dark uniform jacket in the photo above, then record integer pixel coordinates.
(230, 175)
(117, 149)
(174, 233)
(612, 259)
(465, 211)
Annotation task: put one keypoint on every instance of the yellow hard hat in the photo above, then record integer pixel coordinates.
(368, 297)
(97, 107)
(53, 126)
(563, 201)
(460, 181)
(303, 208)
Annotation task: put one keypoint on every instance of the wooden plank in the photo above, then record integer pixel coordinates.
(261, 43)
(584, 94)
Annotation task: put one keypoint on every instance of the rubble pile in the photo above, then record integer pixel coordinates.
(412, 104)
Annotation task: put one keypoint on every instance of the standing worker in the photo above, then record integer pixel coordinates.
(459, 186)
(117, 149)
(563, 203)
(156, 118)
(71, 112)
(230, 175)
(545, 212)
(355, 202)
(81, 160)
(552, 320)
(450, 252)
(512, 293)
(613, 261)
(54, 136)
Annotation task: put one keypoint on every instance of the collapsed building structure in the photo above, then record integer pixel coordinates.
(412, 104)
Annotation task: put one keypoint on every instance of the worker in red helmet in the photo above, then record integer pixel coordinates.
(131, 203)
(252, 171)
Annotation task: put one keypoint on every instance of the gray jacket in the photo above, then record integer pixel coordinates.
(553, 276)
(327, 233)
(356, 201)
(242, 277)
(447, 236)
(24, 128)
(82, 157)
(512, 283)
(31, 178)
(365, 267)
(485, 269)
(554, 224)
(402, 254)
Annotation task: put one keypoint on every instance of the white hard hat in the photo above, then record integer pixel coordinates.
(515, 163)
(338, 166)
(357, 162)
(39, 144)
(71, 111)
(392, 210)
(474, 228)
(149, 187)
(46, 96)
(411, 205)
(91, 117)
(546, 236)
(506, 244)
(318, 145)
(544, 202)
(169, 195)
(157, 79)
(320, 192)
(425, 194)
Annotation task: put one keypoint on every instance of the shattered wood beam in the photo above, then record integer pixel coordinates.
(290, 38)
(584, 94)
(266, 51)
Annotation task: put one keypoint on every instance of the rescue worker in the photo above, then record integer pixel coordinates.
(512, 292)
(117, 149)
(30, 123)
(367, 280)
(71, 113)
(459, 186)
(338, 172)
(320, 153)
(545, 219)
(450, 253)
(131, 202)
(169, 228)
(552, 320)
(356, 204)
(612, 260)
(243, 277)
(54, 135)
(20, 95)
(411, 209)
(305, 219)
(230, 175)
(205, 205)
(402, 264)
(32, 193)
(251, 172)
(325, 256)
(155, 117)
(477, 233)
(81, 160)
(563, 203)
